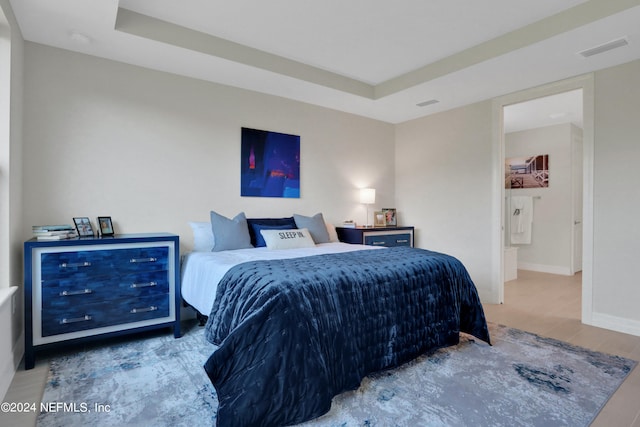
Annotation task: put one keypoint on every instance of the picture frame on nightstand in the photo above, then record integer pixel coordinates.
(105, 226)
(379, 219)
(390, 217)
(83, 225)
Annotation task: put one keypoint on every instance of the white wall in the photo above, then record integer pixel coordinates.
(444, 187)
(550, 248)
(616, 270)
(154, 150)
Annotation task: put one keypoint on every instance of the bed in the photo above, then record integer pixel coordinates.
(295, 327)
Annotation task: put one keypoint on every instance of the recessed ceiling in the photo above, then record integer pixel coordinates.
(551, 110)
(374, 58)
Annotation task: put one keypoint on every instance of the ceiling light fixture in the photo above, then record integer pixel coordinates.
(613, 44)
(429, 102)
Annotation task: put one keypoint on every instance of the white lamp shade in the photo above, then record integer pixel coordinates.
(367, 195)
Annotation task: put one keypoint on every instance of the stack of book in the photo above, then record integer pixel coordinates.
(53, 232)
(349, 224)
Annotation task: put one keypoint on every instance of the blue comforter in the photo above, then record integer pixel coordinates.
(294, 333)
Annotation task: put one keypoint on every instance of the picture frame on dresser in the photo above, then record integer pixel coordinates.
(379, 219)
(83, 226)
(105, 226)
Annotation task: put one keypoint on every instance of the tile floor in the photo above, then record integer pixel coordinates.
(541, 303)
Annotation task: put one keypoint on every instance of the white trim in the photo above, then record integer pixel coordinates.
(10, 351)
(497, 208)
(614, 323)
(542, 268)
(588, 147)
(584, 82)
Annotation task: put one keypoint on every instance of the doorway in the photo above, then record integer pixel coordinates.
(543, 183)
(579, 155)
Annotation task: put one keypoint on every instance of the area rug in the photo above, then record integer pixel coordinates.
(522, 380)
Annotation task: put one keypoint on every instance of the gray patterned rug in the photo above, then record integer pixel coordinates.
(523, 379)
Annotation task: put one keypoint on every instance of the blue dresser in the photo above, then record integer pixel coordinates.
(377, 236)
(88, 288)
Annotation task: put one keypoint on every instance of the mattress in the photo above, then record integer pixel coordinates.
(202, 271)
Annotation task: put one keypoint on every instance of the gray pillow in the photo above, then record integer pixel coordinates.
(316, 226)
(230, 233)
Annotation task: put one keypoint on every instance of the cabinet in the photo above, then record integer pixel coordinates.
(86, 288)
(377, 236)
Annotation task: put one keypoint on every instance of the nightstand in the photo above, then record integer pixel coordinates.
(377, 236)
(87, 288)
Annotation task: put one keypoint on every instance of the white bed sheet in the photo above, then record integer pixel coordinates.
(202, 271)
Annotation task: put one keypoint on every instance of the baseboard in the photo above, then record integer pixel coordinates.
(7, 371)
(10, 365)
(618, 324)
(11, 338)
(18, 350)
(542, 268)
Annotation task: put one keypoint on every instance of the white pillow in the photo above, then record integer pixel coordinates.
(333, 234)
(288, 239)
(202, 236)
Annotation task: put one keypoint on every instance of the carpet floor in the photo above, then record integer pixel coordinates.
(522, 380)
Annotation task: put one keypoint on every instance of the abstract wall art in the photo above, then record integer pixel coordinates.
(270, 164)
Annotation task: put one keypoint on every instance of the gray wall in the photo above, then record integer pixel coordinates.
(616, 272)
(154, 150)
(444, 186)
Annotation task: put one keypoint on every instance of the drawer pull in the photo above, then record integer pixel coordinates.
(151, 259)
(71, 293)
(143, 310)
(402, 241)
(85, 318)
(378, 243)
(75, 264)
(144, 285)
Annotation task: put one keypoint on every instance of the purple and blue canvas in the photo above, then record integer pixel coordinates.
(270, 164)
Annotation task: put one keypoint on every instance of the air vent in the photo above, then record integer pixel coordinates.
(604, 47)
(429, 102)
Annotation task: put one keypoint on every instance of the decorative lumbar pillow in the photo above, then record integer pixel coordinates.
(287, 239)
(316, 226)
(257, 228)
(202, 236)
(230, 233)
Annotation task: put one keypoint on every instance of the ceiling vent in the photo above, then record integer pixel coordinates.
(604, 47)
(429, 102)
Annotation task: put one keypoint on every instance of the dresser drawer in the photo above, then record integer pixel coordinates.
(403, 239)
(66, 292)
(80, 317)
(87, 264)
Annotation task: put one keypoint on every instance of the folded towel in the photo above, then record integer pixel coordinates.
(521, 219)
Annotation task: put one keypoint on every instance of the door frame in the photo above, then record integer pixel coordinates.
(586, 83)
